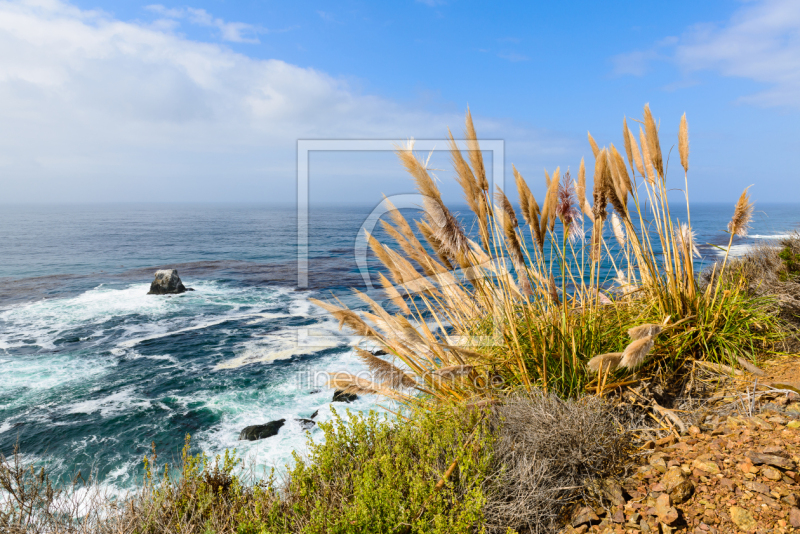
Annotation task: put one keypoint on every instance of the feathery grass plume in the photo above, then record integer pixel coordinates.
(740, 222)
(645, 330)
(685, 236)
(683, 143)
(453, 371)
(551, 212)
(626, 140)
(433, 241)
(595, 148)
(347, 318)
(622, 172)
(393, 294)
(446, 228)
(353, 384)
(636, 353)
(553, 289)
(385, 371)
(619, 231)
(528, 205)
(505, 204)
(637, 155)
(600, 187)
(414, 249)
(567, 210)
(548, 207)
(615, 190)
(648, 161)
(469, 184)
(508, 224)
(606, 361)
(475, 154)
(530, 209)
(580, 190)
(547, 179)
(653, 146)
(514, 247)
(524, 193)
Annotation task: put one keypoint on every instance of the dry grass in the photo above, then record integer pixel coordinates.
(548, 452)
(533, 306)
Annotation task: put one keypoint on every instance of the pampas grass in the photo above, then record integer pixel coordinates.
(636, 353)
(683, 143)
(645, 330)
(742, 214)
(608, 361)
(538, 317)
(619, 232)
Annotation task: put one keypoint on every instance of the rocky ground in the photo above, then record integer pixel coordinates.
(730, 474)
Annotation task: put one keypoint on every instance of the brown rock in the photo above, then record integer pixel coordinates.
(794, 517)
(613, 492)
(672, 478)
(618, 517)
(682, 492)
(790, 499)
(757, 487)
(770, 459)
(743, 519)
(771, 473)
(664, 510)
(708, 466)
(584, 515)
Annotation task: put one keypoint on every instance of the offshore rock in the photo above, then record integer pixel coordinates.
(341, 396)
(306, 424)
(254, 432)
(167, 282)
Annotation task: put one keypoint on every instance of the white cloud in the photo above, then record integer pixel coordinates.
(93, 108)
(236, 32)
(760, 42)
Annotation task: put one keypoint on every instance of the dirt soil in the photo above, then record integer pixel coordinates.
(729, 474)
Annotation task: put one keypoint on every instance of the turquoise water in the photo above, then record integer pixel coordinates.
(93, 369)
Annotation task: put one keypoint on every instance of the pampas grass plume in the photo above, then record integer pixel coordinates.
(683, 143)
(645, 330)
(619, 232)
(604, 361)
(636, 353)
(740, 222)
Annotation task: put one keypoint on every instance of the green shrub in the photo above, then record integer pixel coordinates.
(376, 474)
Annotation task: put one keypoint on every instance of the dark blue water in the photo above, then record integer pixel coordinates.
(94, 369)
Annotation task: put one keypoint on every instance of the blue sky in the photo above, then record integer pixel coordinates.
(205, 101)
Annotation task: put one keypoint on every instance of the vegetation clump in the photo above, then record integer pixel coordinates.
(549, 296)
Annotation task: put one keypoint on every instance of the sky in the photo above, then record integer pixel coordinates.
(205, 101)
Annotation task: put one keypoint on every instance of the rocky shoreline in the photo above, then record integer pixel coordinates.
(730, 474)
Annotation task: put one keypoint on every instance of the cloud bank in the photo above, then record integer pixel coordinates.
(94, 108)
(760, 42)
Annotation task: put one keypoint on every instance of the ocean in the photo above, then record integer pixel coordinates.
(94, 370)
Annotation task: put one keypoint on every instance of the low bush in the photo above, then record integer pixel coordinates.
(549, 451)
(371, 474)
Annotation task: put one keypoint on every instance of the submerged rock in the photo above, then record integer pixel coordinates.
(167, 282)
(255, 432)
(307, 424)
(313, 415)
(341, 396)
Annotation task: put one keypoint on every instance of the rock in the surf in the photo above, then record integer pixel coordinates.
(167, 282)
(307, 424)
(254, 432)
(341, 396)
